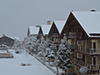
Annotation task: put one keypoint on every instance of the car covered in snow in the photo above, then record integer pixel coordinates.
(4, 53)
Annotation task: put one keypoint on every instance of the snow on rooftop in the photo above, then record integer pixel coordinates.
(7, 36)
(46, 28)
(95, 36)
(34, 29)
(90, 21)
(59, 24)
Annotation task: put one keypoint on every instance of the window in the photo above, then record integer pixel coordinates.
(94, 46)
(83, 34)
(83, 59)
(94, 61)
(79, 55)
(83, 43)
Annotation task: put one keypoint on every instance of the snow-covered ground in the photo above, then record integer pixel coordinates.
(51, 66)
(12, 66)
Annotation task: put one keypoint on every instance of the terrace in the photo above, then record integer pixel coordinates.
(90, 51)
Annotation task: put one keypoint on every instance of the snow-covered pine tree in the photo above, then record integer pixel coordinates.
(52, 53)
(47, 42)
(42, 47)
(47, 51)
(31, 43)
(17, 45)
(36, 44)
(64, 55)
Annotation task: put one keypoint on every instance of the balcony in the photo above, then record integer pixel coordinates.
(55, 35)
(72, 35)
(88, 51)
(89, 66)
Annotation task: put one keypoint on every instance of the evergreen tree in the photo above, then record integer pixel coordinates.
(42, 46)
(64, 55)
(52, 52)
(31, 43)
(47, 48)
(17, 44)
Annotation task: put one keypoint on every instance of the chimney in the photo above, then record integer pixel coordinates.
(37, 25)
(48, 22)
(3, 35)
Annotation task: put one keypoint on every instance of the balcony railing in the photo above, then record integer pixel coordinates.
(72, 35)
(55, 35)
(88, 51)
(89, 66)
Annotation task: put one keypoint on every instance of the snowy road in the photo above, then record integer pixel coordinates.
(12, 66)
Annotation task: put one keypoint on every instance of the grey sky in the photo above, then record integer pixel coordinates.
(17, 15)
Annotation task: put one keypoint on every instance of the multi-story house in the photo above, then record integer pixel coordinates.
(83, 31)
(35, 31)
(6, 40)
(51, 30)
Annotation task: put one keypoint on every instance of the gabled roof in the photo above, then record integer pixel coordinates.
(59, 24)
(90, 21)
(7, 36)
(46, 28)
(34, 29)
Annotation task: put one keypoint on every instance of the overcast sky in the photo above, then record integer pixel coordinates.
(17, 15)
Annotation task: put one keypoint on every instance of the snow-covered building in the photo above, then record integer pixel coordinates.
(53, 30)
(34, 31)
(7, 40)
(82, 29)
(58, 27)
(46, 28)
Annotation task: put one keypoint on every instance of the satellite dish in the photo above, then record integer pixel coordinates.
(83, 69)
